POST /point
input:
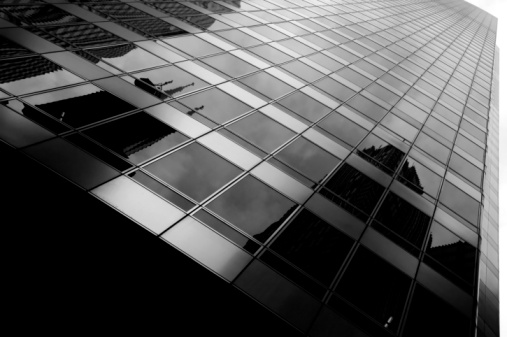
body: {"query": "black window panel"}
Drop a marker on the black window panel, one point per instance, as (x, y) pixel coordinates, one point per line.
(404, 219)
(429, 315)
(380, 153)
(375, 287)
(314, 246)
(155, 27)
(419, 178)
(253, 207)
(11, 49)
(84, 35)
(40, 15)
(137, 137)
(355, 188)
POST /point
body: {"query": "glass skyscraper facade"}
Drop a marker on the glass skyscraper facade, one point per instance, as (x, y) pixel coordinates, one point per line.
(256, 167)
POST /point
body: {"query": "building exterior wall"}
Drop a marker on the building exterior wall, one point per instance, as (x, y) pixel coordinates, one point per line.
(335, 161)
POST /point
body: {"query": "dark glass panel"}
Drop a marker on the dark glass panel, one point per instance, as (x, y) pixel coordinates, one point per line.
(241, 19)
(375, 287)
(253, 207)
(229, 65)
(194, 170)
(343, 128)
(367, 107)
(380, 153)
(205, 22)
(419, 178)
(84, 35)
(30, 74)
(39, 15)
(11, 49)
(168, 82)
(119, 11)
(403, 219)
(429, 315)
(267, 85)
(262, 131)
(314, 246)
(161, 190)
(450, 251)
(304, 106)
(36, 116)
(78, 106)
(130, 58)
(155, 27)
(215, 105)
(137, 137)
(227, 231)
(98, 152)
(460, 202)
(355, 188)
(308, 158)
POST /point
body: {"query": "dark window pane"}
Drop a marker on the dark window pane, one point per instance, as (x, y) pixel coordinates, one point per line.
(24, 75)
(460, 202)
(380, 153)
(78, 106)
(343, 128)
(11, 49)
(262, 131)
(403, 219)
(168, 81)
(308, 158)
(126, 57)
(85, 35)
(431, 316)
(137, 137)
(156, 27)
(215, 105)
(451, 251)
(194, 170)
(375, 287)
(314, 246)
(355, 188)
(161, 190)
(305, 106)
(253, 207)
(419, 178)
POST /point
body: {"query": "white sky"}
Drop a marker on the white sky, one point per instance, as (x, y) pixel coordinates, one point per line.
(499, 9)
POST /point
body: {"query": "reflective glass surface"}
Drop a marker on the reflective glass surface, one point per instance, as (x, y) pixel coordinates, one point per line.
(194, 170)
(253, 207)
(343, 128)
(267, 85)
(229, 65)
(304, 106)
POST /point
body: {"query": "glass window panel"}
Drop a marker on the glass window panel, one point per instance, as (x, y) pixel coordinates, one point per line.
(238, 37)
(304, 106)
(400, 127)
(367, 107)
(380, 153)
(81, 105)
(460, 202)
(271, 54)
(432, 147)
(308, 158)
(154, 27)
(230, 65)
(303, 71)
(127, 57)
(241, 19)
(403, 219)
(292, 28)
(215, 105)
(24, 75)
(37, 116)
(466, 169)
(167, 82)
(419, 178)
(194, 170)
(473, 130)
(262, 131)
(470, 147)
(267, 85)
(343, 128)
(298, 47)
(375, 287)
(161, 190)
(354, 77)
(193, 45)
(137, 137)
(450, 251)
(314, 246)
(11, 49)
(253, 207)
(429, 315)
(335, 89)
(268, 32)
(326, 61)
(84, 35)
(355, 188)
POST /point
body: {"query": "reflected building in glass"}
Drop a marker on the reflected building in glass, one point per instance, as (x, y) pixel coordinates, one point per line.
(251, 168)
